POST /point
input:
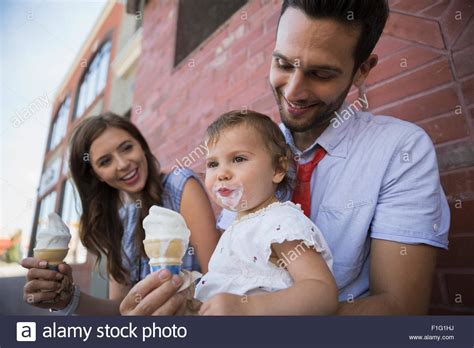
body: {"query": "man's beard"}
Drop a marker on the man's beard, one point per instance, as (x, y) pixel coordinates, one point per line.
(319, 117)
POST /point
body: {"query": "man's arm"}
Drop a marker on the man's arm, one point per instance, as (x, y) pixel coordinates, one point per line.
(400, 280)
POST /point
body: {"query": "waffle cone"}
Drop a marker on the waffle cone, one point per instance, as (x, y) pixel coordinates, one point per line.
(165, 252)
(53, 256)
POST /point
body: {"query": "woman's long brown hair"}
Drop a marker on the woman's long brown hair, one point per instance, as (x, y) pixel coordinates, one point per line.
(101, 229)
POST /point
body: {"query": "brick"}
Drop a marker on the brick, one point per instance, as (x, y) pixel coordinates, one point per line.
(238, 61)
(270, 24)
(450, 22)
(255, 90)
(456, 156)
(243, 43)
(463, 61)
(461, 289)
(468, 90)
(233, 88)
(267, 2)
(256, 19)
(202, 59)
(461, 217)
(459, 185)
(459, 253)
(388, 45)
(253, 63)
(436, 294)
(216, 38)
(411, 6)
(401, 62)
(237, 19)
(251, 7)
(417, 81)
(353, 95)
(265, 104)
(268, 39)
(437, 10)
(466, 39)
(424, 31)
(446, 128)
(424, 106)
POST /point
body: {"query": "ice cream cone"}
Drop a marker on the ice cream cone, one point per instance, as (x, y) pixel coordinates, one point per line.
(165, 254)
(166, 239)
(52, 242)
(53, 256)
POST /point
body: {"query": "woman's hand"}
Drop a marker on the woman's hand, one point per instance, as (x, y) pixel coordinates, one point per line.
(46, 288)
(225, 304)
(155, 295)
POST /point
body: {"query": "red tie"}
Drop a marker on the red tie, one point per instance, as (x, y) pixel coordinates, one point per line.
(302, 194)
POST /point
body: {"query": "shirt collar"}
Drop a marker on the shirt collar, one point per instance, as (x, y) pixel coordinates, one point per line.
(332, 138)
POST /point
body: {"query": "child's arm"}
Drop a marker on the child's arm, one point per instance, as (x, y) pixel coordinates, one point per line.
(314, 291)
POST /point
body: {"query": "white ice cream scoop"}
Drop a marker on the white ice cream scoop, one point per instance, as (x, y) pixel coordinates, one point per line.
(166, 239)
(52, 241)
(162, 223)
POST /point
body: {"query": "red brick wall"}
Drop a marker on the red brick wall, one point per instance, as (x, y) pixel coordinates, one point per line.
(173, 106)
(424, 76)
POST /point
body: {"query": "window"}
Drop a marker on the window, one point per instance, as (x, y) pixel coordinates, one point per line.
(51, 174)
(60, 124)
(197, 20)
(71, 211)
(94, 79)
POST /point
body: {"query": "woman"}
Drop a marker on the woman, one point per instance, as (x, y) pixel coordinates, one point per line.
(118, 180)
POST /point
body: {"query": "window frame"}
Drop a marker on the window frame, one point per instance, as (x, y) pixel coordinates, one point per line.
(93, 70)
(63, 117)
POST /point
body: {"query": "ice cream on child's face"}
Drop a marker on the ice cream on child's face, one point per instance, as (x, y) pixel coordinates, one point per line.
(55, 235)
(166, 236)
(239, 170)
(229, 195)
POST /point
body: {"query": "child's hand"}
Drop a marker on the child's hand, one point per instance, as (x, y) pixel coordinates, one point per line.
(225, 304)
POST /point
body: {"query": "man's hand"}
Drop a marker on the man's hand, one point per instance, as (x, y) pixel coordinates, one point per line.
(224, 304)
(155, 295)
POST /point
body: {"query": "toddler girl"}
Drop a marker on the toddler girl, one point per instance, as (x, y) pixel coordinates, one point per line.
(272, 260)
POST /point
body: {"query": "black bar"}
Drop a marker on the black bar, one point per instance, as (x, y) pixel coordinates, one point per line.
(453, 331)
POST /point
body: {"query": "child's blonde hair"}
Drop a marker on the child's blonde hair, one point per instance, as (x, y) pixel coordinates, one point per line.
(271, 136)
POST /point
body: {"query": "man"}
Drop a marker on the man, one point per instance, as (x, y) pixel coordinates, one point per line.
(375, 193)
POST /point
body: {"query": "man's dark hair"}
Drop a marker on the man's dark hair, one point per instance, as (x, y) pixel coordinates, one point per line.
(369, 15)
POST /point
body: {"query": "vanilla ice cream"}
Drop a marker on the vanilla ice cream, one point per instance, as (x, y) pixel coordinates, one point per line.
(166, 239)
(52, 242)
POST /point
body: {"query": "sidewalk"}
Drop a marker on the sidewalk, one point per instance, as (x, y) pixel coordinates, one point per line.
(12, 281)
